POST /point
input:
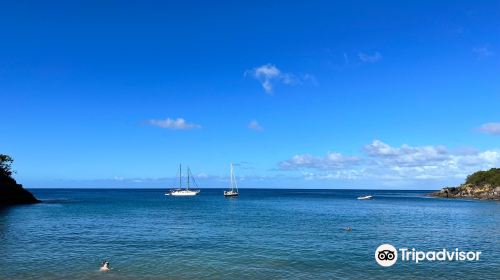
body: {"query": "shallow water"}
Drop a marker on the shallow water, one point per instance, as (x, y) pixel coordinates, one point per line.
(263, 234)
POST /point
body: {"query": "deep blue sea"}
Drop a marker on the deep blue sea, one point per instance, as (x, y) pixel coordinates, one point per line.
(263, 234)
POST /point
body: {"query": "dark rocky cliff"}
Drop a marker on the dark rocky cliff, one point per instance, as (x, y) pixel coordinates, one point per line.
(10, 191)
(13, 193)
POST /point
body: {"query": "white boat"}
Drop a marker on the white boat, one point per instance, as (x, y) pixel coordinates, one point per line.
(184, 192)
(180, 192)
(366, 197)
(233, 192)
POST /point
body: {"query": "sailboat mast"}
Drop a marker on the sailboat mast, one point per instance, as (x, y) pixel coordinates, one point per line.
(189, 171)
(180, 176)
(232, 183)
(234, 178)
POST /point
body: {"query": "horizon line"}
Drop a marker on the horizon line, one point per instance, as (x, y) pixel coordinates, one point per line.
(149, 188)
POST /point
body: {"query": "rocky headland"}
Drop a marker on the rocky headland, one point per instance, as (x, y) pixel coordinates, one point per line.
(12, 193)
(480, 185)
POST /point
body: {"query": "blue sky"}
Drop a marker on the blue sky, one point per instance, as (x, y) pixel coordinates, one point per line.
(302, 94)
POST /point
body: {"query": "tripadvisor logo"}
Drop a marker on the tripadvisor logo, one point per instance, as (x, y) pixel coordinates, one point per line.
(387, 255)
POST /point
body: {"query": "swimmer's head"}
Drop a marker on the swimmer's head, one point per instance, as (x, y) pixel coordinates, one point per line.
(105, 266)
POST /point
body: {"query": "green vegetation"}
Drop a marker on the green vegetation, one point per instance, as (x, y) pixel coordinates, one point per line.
(10, 191)
(481, 178)
(5, 165)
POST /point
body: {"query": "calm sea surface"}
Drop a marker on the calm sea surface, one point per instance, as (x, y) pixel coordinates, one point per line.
(263, 234)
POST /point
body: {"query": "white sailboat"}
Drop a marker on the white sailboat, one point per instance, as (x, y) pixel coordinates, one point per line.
(366, 197)
(184, 192)
(233, 192)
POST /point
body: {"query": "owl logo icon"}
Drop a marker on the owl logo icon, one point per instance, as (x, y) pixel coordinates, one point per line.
(386, 255)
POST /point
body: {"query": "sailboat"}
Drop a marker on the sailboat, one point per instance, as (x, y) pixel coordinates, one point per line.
(233, 192)
(184, 192)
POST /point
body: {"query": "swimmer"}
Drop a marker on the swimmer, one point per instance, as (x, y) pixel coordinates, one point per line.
(104, 266)
(348, 229)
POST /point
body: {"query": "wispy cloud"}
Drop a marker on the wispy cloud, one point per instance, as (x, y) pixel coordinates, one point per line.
(268, 75)
(483, 51)
(174, 124)
(244, 165)
(203, 175)
(203, 180)
(346, 59)
(427, 162)
(405, 155)
(369, 58)
(490, 128)
(383, 162)
(330, 161)
(254, 125)
(310, 78)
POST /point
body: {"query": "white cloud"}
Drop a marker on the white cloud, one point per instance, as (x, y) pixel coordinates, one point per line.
(405, 155)
(202, 175)
(330, 161)
(346, 59)
(175, 124)
(310, 78)
(244, 165)
(254, 125)
(346, 174)
(490, 128)
(382, 162)
(370, 58)
(428, 162)
(483, 51)
(268, 75)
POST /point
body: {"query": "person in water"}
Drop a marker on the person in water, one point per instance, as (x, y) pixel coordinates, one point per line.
(104, 266)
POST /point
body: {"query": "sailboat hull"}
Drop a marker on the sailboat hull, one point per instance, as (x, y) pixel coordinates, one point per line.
(183, 193)
(230, 194)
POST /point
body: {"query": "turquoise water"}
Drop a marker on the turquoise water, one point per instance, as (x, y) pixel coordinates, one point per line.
(263, 234)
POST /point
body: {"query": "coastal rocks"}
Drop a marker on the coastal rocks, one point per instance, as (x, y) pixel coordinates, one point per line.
(479, 185)
(469, 191)
(12, 193)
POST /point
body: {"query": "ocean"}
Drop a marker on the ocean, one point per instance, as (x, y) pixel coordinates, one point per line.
(263, 234)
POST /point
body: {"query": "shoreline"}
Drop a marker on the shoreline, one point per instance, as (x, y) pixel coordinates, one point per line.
(468, 191)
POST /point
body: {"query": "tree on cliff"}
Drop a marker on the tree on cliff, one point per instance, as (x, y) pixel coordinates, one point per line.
(5, 165)
(481, 178)
(10, 191)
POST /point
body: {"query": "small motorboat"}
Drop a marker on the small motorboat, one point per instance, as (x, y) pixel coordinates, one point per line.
(366, 197)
